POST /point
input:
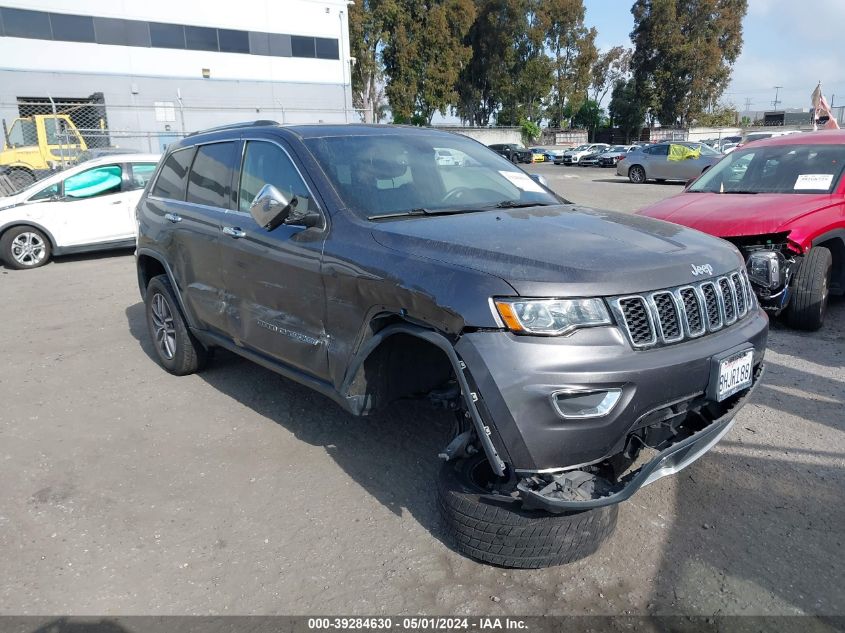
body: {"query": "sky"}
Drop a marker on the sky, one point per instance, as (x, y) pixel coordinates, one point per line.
(789, 43)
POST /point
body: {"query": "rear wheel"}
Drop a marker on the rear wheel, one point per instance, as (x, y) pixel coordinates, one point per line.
(24, 247)
(494, 528)
(636, 174)
(807, 309)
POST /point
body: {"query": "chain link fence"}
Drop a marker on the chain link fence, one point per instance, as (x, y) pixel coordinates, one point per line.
(45, 135)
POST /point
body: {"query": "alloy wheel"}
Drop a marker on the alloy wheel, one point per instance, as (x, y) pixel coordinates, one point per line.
(164, 330)
(28, 249)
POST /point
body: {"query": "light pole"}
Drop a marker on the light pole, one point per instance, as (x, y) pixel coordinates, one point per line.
(776, 101)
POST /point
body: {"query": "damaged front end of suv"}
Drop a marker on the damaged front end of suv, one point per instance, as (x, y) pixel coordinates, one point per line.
(772, 262)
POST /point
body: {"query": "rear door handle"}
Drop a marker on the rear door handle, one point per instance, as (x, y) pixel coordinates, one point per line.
(173, 217)
(233, 231)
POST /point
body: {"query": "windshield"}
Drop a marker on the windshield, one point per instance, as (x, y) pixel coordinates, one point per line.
(776, 169)
(22, 133)
(581, 148)
(391, 173)
(618, 148)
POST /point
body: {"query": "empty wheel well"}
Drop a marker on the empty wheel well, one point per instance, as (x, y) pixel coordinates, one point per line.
(148, 267)
(836, 246)
(402, 366)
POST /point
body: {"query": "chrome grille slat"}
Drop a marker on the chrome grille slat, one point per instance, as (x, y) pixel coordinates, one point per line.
(739, 293)
(672, 315)
(728, 300)
(668, 318)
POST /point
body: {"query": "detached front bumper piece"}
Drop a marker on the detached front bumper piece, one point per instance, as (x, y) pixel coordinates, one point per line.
(552, 497)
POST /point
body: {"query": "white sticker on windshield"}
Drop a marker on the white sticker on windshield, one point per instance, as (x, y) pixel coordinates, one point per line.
(813, 181)
(523, 181)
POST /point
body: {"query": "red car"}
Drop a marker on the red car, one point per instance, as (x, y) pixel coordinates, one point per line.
(781, 202)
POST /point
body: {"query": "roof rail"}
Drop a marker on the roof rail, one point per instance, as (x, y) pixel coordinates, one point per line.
(235, 126)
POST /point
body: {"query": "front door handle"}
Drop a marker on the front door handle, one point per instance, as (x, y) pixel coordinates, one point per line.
(233, 231)
(173, 217)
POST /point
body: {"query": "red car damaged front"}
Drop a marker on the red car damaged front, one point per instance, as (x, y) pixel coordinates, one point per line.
(782, 203)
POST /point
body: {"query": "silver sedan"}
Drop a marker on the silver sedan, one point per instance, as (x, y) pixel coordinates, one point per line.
(659, 162)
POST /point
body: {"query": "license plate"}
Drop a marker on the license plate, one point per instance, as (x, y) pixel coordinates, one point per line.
(734, 374)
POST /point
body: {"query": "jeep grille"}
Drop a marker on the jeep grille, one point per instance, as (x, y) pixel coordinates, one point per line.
(672, 315)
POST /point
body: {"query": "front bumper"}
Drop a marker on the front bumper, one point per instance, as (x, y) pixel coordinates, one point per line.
(668, 462)
(516, 375)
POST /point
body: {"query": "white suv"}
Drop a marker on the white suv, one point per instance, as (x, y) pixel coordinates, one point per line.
(88, 207)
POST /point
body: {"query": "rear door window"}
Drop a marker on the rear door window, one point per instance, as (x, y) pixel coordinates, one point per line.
(174, 175)
(210, 182)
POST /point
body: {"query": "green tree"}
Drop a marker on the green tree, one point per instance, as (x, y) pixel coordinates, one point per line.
(609, 67)
(573, 49)
(627, 109)
(424, 56)
(720, 116)
(509, 73)
(368, 31)
(684, 51)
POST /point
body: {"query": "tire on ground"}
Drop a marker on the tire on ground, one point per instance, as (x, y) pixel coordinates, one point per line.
(7, 244)
(496, 529)
(189, 355)
(636, 174)
(811, 288)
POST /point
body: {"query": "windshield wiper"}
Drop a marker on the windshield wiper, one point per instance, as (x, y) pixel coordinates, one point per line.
(420, 211)
(516, 204)
(745, 191)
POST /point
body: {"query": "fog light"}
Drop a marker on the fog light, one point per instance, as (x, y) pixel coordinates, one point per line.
(579, 404)
(764, 268)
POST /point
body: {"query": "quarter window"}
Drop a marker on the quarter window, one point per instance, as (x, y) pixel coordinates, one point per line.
(267, 164)
(46, 193)
(174, 175)
(210, 182)
(140, 174)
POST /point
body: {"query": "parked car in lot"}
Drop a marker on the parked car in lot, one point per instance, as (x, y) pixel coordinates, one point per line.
(345, 257)
(613, 155)
(574, 156)
(88, 207)
(514, 152)
(782, 203)
(671, 160)
(538, 155)
(751, 137)
(553, 154)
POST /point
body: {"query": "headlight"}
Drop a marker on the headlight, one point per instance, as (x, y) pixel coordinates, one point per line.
(551, 317)
(765, 267)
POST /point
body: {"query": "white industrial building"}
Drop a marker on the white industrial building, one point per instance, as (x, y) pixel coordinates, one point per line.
(147, 72)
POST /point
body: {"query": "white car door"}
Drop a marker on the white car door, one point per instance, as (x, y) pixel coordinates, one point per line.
(94, 207)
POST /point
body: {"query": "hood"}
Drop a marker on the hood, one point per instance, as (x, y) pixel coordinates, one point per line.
(563, 250)
(735, 215)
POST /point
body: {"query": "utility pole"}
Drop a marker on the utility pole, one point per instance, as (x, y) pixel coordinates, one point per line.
(776, 101)
(748, 106)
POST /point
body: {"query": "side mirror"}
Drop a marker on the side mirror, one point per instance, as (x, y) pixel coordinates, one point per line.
(270, 208)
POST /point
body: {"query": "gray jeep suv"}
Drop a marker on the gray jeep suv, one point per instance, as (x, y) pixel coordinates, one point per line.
(583, 353)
